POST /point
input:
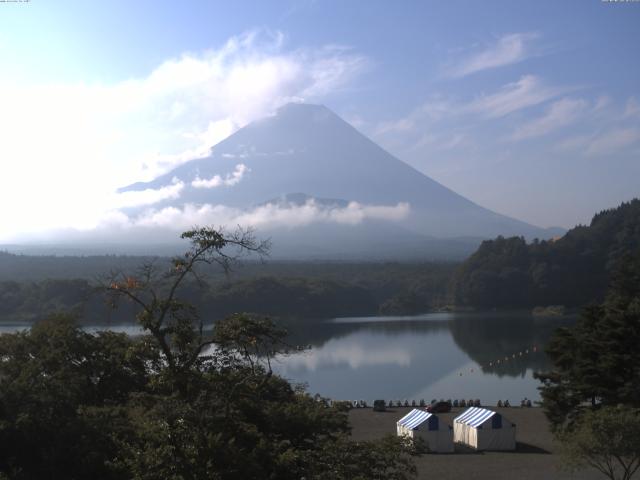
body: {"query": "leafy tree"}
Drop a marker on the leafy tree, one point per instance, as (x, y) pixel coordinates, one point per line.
(608, 440)
(173, 322)
(48, 376)
(177, 403)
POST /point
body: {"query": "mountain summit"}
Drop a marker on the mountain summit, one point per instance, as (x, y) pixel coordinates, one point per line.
(307, 173)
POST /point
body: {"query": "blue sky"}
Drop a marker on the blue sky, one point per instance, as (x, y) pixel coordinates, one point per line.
(531, 109)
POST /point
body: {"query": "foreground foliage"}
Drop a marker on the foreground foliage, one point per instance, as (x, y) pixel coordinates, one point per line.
(608, 440)
(176, 403)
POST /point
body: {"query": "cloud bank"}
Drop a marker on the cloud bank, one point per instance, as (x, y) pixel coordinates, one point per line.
(148, 196)
(77, 143)
(265, 217)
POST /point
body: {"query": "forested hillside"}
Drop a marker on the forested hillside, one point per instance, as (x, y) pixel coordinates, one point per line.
(573, 270)
(301, 290)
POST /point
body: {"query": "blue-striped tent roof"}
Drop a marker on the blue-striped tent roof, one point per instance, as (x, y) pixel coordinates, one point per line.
(414, 418)
(474, 416)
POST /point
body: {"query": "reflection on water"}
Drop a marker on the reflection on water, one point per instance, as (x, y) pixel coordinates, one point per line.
(13, 327)
(423, 357)
(369, 350)
(129, 329)
(442, 355)
(132, 330)
(429, 317)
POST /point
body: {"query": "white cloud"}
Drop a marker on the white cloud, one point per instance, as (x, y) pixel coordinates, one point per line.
(610, 129)
(632, 108)
(84, 141)
(448, 136)
(447, 141)
(328, 68)
(559, 114)
(613, 141)
(608, 142)
(434, 110)
(270, 215)
(526, 92)
(213, 182)
(229, 180)
(400, 125)
(602, 103)
(148, 196)
(507, 50)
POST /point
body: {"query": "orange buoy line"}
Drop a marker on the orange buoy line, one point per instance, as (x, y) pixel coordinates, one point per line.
(500, 361)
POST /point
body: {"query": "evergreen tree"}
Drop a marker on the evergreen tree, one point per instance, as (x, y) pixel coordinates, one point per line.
(573, 270)
(597, 362)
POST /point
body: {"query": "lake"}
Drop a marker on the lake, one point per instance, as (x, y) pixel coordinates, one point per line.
(432, 356)
(438, 355)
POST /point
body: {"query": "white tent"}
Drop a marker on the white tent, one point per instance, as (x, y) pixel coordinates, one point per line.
(437, 435)
(484, 429)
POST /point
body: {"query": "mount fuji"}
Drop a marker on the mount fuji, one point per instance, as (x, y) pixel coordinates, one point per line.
(320, 188)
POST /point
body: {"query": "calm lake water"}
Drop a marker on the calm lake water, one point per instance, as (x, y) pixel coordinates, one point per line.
(489, 357)
(441, 355)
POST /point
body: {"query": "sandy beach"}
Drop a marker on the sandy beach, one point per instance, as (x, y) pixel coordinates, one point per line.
(536, 456)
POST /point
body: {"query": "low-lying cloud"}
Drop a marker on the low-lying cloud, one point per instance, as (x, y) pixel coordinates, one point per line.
(229, 180)
(268, 216)
(148, 196)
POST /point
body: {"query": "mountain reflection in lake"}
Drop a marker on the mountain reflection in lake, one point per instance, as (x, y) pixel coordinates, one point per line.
(423, 357)
(440, 355)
